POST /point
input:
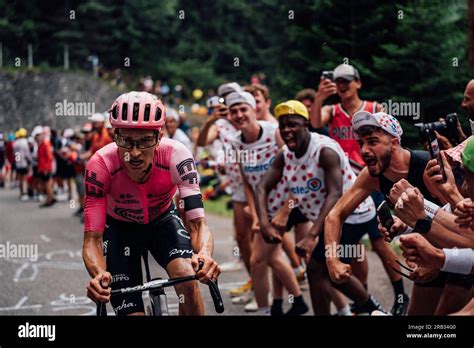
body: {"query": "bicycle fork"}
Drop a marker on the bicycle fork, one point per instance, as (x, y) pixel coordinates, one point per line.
(159, 302)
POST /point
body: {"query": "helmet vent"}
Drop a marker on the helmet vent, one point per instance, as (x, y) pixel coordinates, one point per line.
(146, 116)
(124, 111)
(115, 112)
(158, 114)
(136, 108)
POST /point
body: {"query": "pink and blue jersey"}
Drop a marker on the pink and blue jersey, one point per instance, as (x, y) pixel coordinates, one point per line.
(110, 191)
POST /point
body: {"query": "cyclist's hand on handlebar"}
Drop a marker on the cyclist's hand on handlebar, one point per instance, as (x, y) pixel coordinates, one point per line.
(98, 288)
(205, 266)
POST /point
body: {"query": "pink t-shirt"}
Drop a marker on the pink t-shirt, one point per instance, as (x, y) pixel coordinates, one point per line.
(110, 191)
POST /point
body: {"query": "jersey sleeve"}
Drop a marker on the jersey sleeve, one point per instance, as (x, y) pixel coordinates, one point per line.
(97, 184)
(185, 176)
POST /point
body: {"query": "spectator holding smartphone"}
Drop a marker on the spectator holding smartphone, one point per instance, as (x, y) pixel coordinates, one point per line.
(346, 85)
(443, 229)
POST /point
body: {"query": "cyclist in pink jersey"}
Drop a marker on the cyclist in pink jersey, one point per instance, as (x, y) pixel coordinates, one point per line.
(129, 209)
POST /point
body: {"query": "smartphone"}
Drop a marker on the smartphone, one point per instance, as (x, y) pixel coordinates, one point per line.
(328, 75)
(435, 152)
(213, 102)
(385, 216)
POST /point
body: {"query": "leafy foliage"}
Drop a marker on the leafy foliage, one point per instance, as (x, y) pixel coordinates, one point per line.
(406, 51)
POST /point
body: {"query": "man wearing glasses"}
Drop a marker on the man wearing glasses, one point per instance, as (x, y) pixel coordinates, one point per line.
(129, 208)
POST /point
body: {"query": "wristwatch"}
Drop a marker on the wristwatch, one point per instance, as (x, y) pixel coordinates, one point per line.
(423, 225)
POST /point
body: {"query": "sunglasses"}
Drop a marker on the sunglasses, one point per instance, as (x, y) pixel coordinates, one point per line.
(404, 267)
(142, 143)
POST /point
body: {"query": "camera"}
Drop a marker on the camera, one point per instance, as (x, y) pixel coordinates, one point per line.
(447, 128)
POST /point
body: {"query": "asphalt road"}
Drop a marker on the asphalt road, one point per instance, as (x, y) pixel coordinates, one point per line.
(55, 283)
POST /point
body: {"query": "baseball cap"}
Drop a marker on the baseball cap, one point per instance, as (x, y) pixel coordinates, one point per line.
(78, 135)
(21, 133)
(227, 88)
(346, 72)
(467, 155)
(291, 107)
(107, 124)
(98, 117)
(172, 113)
(37, 131)
(379, 119)
(87, 127)
(240, 97)
(68, 133)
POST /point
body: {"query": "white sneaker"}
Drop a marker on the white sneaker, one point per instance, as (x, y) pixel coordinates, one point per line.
(251, 306)
(41, 198)
(231, 266)
(379, 313)
(243, 299)
(61, 197)
(24, 198)
(265, 311)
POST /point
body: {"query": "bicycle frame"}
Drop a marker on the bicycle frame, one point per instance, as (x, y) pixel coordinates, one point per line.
(158, 299)
(158, 285)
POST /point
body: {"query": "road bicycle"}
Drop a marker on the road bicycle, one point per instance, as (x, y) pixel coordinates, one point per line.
(158, 300)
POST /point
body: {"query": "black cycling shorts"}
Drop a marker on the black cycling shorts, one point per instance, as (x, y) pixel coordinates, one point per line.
(296, 217)
(165, 238)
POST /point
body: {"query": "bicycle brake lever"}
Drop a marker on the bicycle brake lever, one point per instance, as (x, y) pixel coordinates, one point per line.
(216, 296)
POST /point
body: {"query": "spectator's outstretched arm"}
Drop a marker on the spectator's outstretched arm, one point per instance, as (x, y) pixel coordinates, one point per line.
(209, 131)
(418, 250)
(446, 192)
(410, 208)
